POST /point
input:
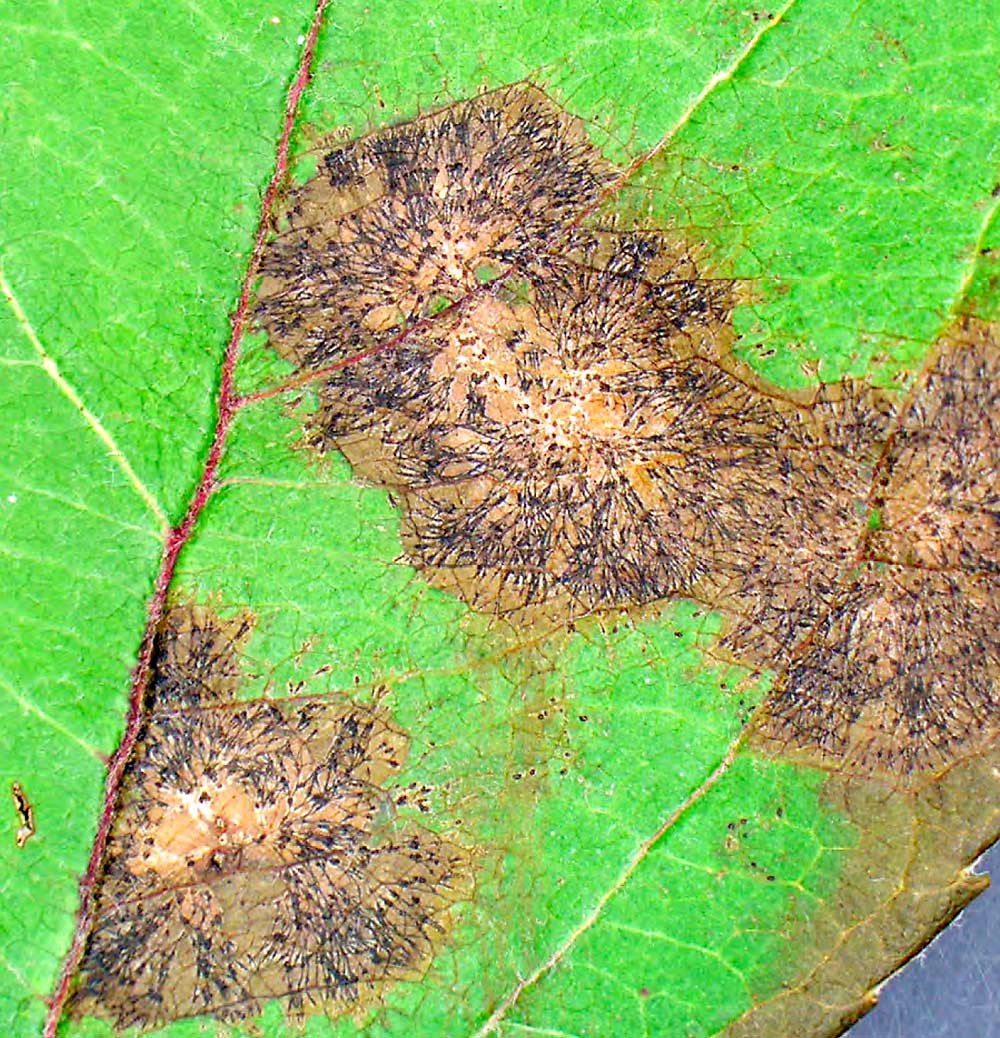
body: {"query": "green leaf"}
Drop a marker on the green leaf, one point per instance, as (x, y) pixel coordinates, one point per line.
(639, 870)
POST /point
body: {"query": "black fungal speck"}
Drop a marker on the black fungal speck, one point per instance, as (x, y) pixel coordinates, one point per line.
(248, 859)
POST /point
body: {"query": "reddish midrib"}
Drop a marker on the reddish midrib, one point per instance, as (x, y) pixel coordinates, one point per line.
(227, 404)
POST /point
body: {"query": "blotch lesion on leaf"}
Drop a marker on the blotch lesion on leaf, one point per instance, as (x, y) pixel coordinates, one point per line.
(408, 217)
(939, 496)
(551, 432)
(552, 457)
(899, 671)
(806, 543)
(552, 399)
(255, 854)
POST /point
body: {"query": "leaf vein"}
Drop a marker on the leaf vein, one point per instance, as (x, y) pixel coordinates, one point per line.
(635, 860)
(29, 706)
(972, 267)
(52, 370)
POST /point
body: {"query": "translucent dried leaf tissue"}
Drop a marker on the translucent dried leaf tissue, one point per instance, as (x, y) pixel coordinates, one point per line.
(573, 431)
(254, 854)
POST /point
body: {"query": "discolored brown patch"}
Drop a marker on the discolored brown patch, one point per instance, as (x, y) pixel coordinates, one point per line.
(254, 855)
(900, 672)
(900, 675)
(556, 408)
(576, 432)
(783, 580)
(574, 441)
(939, 503)
(401, 222)
(25, 815)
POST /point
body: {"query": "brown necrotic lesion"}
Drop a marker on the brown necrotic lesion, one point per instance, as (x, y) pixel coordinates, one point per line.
(553, 454)
(400, 222)
(554, 403)
(899, 670)
(900, 674)
(254, 855)
(939, 495)
(550, 434)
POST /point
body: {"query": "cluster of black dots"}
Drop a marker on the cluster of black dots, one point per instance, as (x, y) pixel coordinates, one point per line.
(253, 856)
(899, 671)
(554, 403)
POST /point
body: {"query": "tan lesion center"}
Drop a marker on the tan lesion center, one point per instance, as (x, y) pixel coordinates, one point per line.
(501, 353)
(445, 261)
(205, 828)
(217, 828)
